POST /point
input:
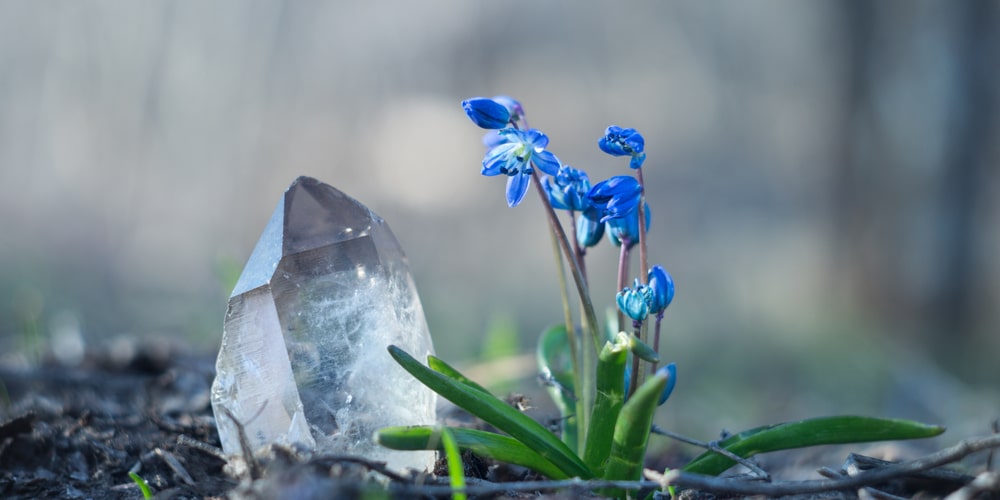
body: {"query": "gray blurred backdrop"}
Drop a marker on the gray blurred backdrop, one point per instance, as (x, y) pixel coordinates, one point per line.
(823, 176)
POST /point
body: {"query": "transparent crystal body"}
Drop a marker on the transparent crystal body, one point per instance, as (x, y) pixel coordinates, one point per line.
(303, 356)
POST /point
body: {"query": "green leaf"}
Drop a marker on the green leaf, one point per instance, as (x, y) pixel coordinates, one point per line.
(553, 357)
(147, 492)
(456, 472)
(632, 431)
(485, 444)
(437, 364)
(810, 432)
(642, 350)
(608, 403)
(497, 413)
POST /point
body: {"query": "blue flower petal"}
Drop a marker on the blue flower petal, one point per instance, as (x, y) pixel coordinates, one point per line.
(619, 141)
(632, 303)
(637, 160)
(589, 229)
(616, 187)
(497, 160)
(494, 138)
(517, 187)
(486, 113)
(546, 162)
(536, 138)
(627, 228)
(662, 286)
(556, 195)
(671, 373)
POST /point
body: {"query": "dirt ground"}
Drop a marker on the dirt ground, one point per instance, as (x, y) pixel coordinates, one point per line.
(77, 432)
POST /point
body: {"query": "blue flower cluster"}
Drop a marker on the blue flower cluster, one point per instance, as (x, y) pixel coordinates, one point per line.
(615, 206)
(516, 151)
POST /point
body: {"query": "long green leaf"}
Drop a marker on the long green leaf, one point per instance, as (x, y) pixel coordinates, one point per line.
(437, 364)
(553, 357)
(632, 431)
(485, 444)
(497, 413)
(456, 472)
(810, 432)
(608, 403)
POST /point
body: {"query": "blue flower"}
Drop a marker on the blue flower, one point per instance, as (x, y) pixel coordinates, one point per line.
(514, 158)
(662, 286)
(568, 189)
(669, 371)
(619, 141)
(589, 229)
(627, 228)
(486, 113)
(617, 196)
(634, 302)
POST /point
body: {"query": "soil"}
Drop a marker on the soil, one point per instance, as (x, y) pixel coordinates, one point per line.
(77, 432)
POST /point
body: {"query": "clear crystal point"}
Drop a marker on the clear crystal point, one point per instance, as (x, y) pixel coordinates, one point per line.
(303, 356)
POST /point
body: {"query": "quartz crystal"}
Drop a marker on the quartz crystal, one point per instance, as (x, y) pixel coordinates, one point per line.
(303, 357)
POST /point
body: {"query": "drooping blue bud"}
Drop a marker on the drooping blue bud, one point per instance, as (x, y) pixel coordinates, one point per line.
(589, 229)
(627, 228)
(619, 141)
(486, 113)
(633, 301)
(670, 371)
(662, 286)
(617, 196)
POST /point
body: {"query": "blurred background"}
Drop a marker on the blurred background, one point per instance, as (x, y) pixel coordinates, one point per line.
(822, 175)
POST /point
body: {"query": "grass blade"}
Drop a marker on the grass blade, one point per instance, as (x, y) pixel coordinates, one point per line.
(497, 413)
(810, 432)
(456, 472)
(485, 444)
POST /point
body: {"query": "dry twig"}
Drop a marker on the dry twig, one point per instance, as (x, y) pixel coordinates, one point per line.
(729, 485)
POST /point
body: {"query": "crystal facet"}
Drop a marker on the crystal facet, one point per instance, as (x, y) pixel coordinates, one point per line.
(303, 356)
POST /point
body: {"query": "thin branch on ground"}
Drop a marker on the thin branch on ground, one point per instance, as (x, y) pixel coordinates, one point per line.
(730, 485)
(714, 446)
(373, 465)
(988, 481)
(191, 442)
(875, 476)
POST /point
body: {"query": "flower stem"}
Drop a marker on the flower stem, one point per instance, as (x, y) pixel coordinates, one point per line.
(589, 343)
(571, 339)
(580, 252)
(643, 259)
(567, 313)
(656, 339)
(634, 377)
(622, 273)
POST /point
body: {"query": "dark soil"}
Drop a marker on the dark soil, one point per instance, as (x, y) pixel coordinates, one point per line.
(77, 432)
